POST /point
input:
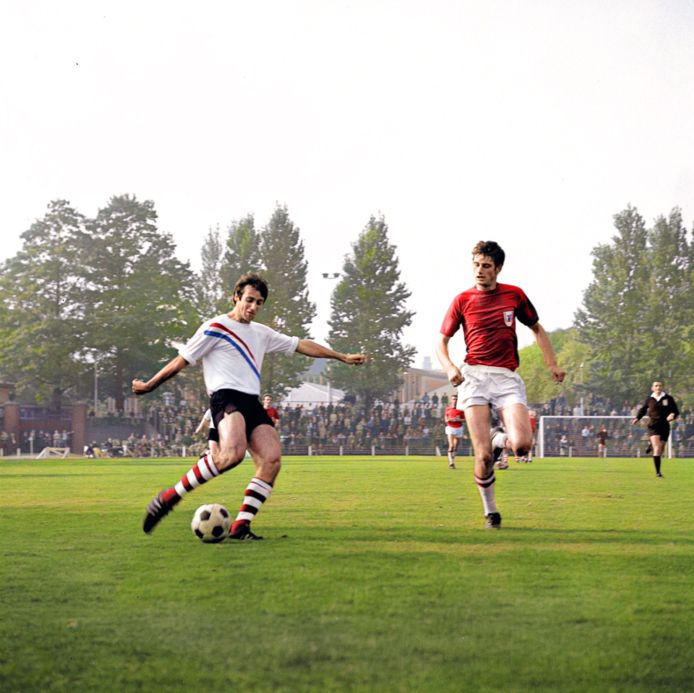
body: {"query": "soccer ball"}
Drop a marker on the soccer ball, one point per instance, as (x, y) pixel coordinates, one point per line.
(211, 523)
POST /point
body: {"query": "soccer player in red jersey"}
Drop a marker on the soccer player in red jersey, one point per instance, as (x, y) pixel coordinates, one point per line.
(270, 410)
(454, 418)
(487, 313)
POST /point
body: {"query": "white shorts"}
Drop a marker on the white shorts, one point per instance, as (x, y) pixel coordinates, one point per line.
(457, 432)
(499, 387)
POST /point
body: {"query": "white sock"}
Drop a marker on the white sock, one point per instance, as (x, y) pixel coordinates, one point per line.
(486, 487)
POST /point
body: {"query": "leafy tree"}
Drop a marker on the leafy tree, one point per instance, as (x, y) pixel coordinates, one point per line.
(41, 293)
(612, 321)
(209, 287)
(139, 296)
(288, 308)
(242, 255)
(572, 355)
(670, 305)
(369, 315)
(638, 311)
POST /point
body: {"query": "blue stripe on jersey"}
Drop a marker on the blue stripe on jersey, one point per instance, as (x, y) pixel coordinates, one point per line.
(226, 338)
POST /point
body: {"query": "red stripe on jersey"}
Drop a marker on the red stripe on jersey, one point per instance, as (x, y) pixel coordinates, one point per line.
(219, 326)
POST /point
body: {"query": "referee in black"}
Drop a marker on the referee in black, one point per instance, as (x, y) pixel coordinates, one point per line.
(661, 409)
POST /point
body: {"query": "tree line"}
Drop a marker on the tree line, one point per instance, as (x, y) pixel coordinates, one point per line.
(108, 295)
(636, 321)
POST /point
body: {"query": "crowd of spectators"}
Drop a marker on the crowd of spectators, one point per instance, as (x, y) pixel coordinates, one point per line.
(381, 428)
(389, 427)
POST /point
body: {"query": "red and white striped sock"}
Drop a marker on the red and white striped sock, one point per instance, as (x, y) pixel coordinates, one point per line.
(200, 473)
(486, 487)
(257, 492)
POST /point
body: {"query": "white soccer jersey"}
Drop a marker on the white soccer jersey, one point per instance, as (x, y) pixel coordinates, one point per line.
(232, 352)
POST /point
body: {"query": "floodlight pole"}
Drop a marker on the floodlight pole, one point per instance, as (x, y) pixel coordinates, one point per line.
(330, 275)
(96, 385)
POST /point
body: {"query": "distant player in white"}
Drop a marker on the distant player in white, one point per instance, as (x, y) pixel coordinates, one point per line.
(232, 348)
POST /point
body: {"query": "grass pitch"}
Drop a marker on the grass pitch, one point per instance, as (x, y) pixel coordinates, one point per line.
(375, 575)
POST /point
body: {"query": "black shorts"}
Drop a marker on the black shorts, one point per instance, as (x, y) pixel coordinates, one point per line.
(661, 429)
(227, 401)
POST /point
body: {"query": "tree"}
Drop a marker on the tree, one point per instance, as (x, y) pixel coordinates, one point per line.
(638, 311)
(288, 309)
(209, 287)
(242, 255)
(670, 304)
(612, 321)
(41, 291)
(139, 295)
(572, 355)
(368, 314)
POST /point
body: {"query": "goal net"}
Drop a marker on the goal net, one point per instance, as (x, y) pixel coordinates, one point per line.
(577, 436)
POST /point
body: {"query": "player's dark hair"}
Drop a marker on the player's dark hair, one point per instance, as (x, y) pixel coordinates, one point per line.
(491, 249)
(250, 279)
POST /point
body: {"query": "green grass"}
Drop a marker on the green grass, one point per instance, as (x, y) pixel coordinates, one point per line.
(375, 576)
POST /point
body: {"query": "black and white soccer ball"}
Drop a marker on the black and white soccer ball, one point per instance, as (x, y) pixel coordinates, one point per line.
(211, 523)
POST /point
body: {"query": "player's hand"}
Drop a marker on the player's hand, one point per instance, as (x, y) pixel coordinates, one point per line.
(558, 374)
(139, 387)
(455, 377)
(356, 359)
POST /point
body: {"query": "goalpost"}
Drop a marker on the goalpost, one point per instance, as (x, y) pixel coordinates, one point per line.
(575, 436)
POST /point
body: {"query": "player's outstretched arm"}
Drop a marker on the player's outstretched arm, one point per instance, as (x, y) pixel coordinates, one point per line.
(558, 374)
(310, 348)
(177, 364)
(455, 377)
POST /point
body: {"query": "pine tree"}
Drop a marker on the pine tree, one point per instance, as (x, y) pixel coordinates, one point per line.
(209, 287)
(242, 254)
(288, 309)
(368, 315)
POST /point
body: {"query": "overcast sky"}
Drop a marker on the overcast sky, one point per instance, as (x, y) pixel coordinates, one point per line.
(530, 123)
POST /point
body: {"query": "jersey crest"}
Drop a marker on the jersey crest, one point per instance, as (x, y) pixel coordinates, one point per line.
(508, 318)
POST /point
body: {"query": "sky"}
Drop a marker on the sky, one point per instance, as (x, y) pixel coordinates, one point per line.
(531, 123)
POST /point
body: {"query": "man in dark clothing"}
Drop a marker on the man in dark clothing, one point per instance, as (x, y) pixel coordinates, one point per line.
(661, 409)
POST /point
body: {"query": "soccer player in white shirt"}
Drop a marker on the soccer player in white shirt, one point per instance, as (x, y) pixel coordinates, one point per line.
(232, 348)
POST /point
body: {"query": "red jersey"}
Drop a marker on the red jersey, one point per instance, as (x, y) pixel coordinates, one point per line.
(533, 423)
(453, 413)
(488, 319)
(272, 413)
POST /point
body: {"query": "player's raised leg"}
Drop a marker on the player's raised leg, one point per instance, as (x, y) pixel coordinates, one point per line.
(478, 422)
(216, 460)
(266, 451)
(518, 429)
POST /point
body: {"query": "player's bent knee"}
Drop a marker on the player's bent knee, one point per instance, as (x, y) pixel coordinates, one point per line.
(228, 459)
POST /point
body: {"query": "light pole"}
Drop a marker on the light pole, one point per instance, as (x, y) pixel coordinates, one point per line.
(96, 384)
(330, 275)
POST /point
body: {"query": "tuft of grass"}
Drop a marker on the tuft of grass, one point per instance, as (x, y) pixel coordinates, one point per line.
(375, 575)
